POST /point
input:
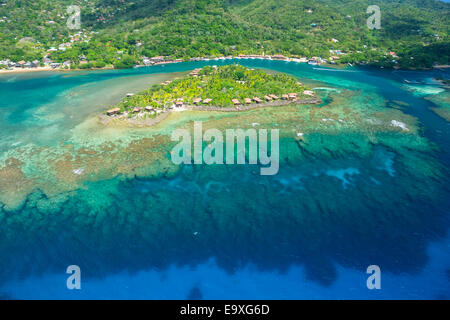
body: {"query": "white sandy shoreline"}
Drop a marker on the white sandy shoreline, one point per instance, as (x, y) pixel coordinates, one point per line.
(42, 69)
(26, 70)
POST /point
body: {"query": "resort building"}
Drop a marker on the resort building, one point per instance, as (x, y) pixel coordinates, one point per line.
(292, 96)
(113, 111)
(157, 59)
(279, 57)
(194, 73)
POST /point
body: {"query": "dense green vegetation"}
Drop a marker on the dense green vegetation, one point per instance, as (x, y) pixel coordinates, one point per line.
(118, 33)
(222, 85)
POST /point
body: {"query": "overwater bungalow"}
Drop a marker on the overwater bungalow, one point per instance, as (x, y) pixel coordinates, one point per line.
(248, 101)
(236, 102)
(113, 111)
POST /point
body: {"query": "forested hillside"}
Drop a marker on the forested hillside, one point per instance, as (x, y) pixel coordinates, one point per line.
(120, 33)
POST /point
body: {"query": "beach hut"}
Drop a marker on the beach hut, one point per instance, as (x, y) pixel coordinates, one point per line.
(236, 102)
(197, 101)
(149, 108)
(248, 101)
(257, 100)
(268, 98)
(308, 92)
(136, 110)
(285, 97)
(292, 96)
(179, 104)
(113, 111)
(300, 84)
(207, 101)
(274, 97)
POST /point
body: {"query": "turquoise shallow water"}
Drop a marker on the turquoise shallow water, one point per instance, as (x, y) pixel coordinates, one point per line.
(225, 231)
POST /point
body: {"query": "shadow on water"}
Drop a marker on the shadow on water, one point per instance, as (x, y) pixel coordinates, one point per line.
(206, 212)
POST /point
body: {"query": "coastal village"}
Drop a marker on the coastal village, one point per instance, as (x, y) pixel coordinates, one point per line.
(47, 62)
(84, 36)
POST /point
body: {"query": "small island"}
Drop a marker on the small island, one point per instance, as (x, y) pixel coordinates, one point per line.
(226, 88)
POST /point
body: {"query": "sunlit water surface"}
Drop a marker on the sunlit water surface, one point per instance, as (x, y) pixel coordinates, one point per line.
(356, 192)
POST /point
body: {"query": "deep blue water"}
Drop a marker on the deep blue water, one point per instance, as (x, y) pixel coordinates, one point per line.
(223, 233)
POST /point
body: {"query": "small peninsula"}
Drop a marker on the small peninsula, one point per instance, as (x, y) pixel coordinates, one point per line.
(227, 88)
